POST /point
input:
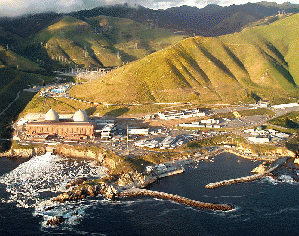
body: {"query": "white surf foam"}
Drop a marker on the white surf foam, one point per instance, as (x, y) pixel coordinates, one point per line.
(35, 180)
(281, 179)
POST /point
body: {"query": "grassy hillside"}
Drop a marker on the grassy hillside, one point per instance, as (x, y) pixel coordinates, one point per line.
(267, 20)
(12, 81)
(98, 41)
(259, 62)
(13, 60)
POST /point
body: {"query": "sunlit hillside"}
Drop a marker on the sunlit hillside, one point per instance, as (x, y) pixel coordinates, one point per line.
(100, 41)
(259, 62)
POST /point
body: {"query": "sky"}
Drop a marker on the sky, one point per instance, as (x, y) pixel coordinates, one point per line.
(21, 7)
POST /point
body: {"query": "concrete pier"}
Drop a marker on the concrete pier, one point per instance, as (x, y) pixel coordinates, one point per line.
(279, 162)
(170, 173)
(144, 192)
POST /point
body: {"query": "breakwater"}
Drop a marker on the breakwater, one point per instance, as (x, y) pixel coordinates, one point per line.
(170, 173)
(279, 162)
(189, 202)
(251, 157)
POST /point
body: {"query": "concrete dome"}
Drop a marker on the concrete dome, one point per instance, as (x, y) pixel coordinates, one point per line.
(51, 115)
(80, 116)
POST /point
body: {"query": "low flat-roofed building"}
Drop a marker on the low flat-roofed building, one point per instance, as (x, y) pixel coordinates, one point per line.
(259, 140)
(140, 131)
(183, 114)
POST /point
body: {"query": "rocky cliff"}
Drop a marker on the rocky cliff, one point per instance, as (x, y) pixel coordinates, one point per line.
(134, 179)
(259, 169)
(24, 152)
(115, 164)
(87, 189)
(81, 188)
(79, 152)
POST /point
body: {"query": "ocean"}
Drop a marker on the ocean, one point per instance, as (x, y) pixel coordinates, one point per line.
(263, 207)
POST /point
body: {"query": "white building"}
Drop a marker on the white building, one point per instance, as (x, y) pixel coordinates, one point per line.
(192, 125)
(167, 142)
(183, 114)
(105, 128)
(210, 121)
(282, 135)
(258, 140)
(283, 106)
(138, 131)
(263, 103)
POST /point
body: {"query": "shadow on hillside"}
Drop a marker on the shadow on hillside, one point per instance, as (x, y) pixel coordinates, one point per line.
(255, 96)
(91, 110)
(38, 52)
(217, 62)
(10, 116)
(117, 112)
(125, 57)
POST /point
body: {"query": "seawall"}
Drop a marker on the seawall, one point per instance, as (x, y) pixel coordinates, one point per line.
(170, 173)
(189, 202)
(276, 164)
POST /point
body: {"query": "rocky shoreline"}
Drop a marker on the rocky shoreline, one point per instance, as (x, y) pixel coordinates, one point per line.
(112, 186)
(24, 152)
(85, 190)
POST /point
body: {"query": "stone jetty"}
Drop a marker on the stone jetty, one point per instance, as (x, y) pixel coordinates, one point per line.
(279, 162)
(144, 192)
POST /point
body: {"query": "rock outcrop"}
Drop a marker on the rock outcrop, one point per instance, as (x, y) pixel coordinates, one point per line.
(82, 191)
(84, 153)
(56, 220)
(134, 179)
(80, 188)
(76, 182)
(115, 164)
(24, 153)
(259, 169)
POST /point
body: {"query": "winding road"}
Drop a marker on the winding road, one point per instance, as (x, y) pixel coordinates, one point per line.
(9, 105)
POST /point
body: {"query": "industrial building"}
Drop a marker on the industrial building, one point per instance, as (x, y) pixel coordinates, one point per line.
(138, 131)
(183, 114)
(77, 128)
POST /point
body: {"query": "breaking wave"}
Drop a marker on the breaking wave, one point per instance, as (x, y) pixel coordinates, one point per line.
(281, 179)
(35, 182)
(42, 177)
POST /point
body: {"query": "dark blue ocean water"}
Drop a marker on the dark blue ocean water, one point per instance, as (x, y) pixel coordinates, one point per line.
(263, 207)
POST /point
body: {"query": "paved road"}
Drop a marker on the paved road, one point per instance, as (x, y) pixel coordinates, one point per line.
(9, 105)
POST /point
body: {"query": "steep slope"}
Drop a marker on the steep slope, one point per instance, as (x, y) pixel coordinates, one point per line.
(12, 81)
(205, 21)
(110, 36)
(8, 38)
(267, 20)
(99, 41)
(28, 25)
(12, 59)
(257, 62)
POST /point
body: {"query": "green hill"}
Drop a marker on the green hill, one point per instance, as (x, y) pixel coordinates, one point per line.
(12, 81)
(14, 60)
(99, 41)
(259, 62)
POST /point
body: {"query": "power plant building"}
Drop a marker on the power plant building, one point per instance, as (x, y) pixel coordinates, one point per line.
(77, 128)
